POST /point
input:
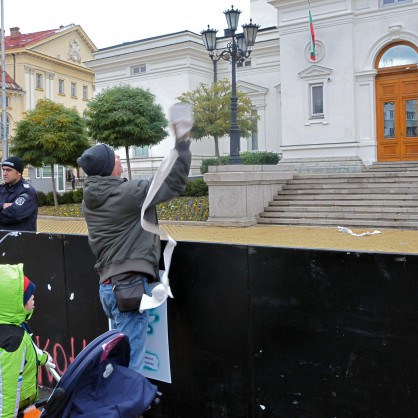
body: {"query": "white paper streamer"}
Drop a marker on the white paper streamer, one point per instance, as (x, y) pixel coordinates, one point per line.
(349, 231)
(162, 290)
(181, 116)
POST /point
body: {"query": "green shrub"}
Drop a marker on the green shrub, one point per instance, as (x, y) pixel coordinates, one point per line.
(69, 197)
(247, 157)
(262, 158)
(66, 197)
(41, 198)
(196, 187)
(49, 199)
(78, 195)
(206, 162)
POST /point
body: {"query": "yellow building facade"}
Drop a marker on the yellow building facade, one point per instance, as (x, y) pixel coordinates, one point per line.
(47, 65)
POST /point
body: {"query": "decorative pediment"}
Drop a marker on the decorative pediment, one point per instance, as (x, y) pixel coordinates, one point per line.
(256, 93)
(315, 71)
(251, 89)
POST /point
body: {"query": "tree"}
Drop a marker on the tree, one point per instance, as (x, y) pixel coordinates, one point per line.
(125, 116)
(50, 134)
(212, 111)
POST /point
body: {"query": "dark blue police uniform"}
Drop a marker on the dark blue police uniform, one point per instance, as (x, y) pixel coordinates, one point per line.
(22, 215)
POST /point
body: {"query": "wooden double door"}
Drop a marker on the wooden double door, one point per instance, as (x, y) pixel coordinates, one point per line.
(396, 116)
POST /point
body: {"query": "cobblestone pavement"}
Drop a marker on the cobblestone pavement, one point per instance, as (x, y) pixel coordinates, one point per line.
(389, 240)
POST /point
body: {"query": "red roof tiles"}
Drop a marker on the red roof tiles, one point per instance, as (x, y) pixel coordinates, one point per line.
(18, 40)
(10, 82)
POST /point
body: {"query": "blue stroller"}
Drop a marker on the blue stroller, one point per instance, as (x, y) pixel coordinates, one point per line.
(99, 383)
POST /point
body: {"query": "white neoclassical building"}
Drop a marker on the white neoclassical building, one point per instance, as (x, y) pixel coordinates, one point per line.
(357, 101)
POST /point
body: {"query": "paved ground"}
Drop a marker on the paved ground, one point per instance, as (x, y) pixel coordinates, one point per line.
(389, 240)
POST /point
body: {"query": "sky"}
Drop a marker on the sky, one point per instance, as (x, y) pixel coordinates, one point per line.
(109, 23)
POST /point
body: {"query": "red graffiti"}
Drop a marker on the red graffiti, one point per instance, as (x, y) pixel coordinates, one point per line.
(62, 354)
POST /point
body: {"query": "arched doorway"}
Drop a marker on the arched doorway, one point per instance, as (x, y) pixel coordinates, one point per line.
(397, 102)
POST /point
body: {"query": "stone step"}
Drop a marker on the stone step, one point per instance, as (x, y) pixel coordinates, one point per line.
(359, 175)
(357, 202)
(348, 188)
(341, 215)
(393, 166)
(336, 209)
(391, 169)
(382, 195)
(349, 195)
(365, 182)
(338, 222)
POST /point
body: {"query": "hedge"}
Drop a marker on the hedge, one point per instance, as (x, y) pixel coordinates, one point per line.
(247, 157)
(47, 199)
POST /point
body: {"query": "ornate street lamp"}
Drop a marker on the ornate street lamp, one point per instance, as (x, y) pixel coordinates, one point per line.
(236, 51)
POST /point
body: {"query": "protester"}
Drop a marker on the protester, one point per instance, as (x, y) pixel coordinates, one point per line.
(18, 199)
(19, 356)
(123, 249)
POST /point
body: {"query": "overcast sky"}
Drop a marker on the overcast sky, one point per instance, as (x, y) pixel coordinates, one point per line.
(109, 22)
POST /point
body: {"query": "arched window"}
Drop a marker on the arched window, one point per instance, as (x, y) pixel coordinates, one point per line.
(397, 55)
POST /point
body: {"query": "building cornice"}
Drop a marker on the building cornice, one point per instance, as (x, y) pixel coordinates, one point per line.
(47, 58)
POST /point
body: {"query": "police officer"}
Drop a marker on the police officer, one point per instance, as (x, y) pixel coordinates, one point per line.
(18, 199)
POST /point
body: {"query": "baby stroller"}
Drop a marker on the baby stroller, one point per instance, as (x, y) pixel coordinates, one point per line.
(99, 383)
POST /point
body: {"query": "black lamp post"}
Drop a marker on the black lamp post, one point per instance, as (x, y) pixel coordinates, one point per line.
(236, 51)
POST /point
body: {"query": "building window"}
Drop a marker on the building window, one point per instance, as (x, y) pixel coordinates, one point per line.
(141, 152)
(73, 89)
(400, 54)
(39, 81)
(389, 2)
(43, 172)
(60, 86)
(138, 69)
(85, 93)
(316, 101)
(246, 63)
(411, 117)
(389, 119)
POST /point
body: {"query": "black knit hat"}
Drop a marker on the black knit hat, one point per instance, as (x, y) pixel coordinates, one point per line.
(14, 162)
(97, 161)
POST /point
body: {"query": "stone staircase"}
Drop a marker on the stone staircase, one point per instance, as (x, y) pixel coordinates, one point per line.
(384, 195)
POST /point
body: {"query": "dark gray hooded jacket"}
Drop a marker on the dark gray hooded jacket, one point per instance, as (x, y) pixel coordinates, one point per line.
(112, 209)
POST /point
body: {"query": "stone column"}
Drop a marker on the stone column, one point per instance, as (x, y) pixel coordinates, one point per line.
(49, 85)
(29, 87)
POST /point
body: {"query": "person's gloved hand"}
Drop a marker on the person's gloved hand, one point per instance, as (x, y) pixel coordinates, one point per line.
(50, 361)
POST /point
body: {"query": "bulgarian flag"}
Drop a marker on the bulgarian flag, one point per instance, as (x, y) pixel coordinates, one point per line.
(313, 50)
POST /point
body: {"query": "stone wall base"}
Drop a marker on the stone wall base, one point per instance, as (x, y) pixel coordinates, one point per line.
(238, 193)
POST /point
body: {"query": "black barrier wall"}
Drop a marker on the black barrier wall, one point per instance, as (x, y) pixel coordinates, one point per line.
(253, 331)
(68, 313)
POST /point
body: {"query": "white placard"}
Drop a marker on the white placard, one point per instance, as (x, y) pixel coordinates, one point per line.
(157, 355)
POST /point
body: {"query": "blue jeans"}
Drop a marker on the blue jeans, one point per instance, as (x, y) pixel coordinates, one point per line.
(134, 324)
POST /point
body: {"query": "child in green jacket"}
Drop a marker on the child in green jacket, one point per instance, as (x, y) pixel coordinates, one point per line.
(19, 356)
